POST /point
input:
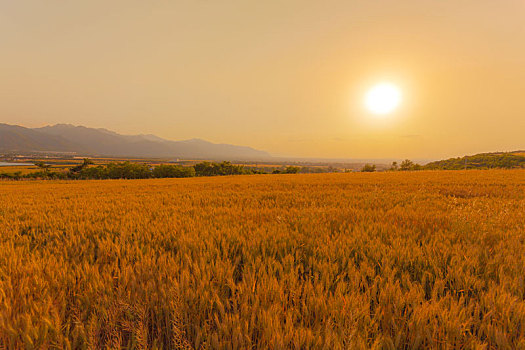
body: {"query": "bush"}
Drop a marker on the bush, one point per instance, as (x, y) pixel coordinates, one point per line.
(292, 170)
(218, 169)
(368, 168)
(128, 170)
(163, 170)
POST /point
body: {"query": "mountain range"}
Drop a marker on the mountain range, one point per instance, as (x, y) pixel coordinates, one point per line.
(65, 138)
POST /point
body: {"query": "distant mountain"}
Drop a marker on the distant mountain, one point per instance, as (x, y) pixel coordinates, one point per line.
(13, 137)
(102, 142)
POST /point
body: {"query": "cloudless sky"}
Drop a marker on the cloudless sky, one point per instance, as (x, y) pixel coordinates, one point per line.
(288, 77)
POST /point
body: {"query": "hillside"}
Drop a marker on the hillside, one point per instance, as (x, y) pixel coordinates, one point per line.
(504, 160)
(102, 142)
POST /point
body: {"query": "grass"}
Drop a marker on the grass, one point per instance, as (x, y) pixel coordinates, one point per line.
(379, 260)
(24, 169)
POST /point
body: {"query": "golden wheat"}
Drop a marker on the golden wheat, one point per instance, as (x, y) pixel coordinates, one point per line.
(382, 260)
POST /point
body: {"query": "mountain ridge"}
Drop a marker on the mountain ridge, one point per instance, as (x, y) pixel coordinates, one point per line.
(103, 142)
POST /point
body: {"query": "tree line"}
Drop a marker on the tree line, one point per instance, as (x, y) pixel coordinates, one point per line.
(129, 170)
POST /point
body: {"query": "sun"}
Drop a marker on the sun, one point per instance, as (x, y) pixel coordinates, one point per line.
(383, 98)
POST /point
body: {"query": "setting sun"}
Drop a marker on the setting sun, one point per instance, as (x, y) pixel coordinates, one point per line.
(262, 174)
(383, 98)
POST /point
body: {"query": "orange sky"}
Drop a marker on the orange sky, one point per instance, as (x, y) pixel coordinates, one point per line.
(288, 77)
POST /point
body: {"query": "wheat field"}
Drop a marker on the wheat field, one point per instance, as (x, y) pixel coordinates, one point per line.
(399, 260)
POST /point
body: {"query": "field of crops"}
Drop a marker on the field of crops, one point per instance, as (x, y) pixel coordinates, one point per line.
(385, 260)
(23, 169)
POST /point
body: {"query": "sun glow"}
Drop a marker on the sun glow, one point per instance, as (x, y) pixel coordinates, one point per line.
(383, 98)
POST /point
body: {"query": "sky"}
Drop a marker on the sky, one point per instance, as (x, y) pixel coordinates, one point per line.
(289, 77)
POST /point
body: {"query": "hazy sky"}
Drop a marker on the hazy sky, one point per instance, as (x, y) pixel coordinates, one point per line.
(284, 76)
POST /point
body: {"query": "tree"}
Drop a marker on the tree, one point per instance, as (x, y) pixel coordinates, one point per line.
(407, 164)
(97, 172)
(292, 170)
(85, 163)
(45, 167)
(165, 170)
(368, 168)
(394, 166)
(128, 170)
(215, 169)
